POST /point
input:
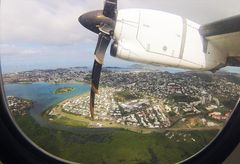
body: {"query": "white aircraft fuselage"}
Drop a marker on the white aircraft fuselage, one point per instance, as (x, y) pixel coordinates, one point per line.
(160, 38)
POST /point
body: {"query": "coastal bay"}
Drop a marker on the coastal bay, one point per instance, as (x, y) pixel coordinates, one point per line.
(76, 138)
(116, 143)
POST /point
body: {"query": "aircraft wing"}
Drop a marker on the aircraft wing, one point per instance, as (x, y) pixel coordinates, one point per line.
(225, 35)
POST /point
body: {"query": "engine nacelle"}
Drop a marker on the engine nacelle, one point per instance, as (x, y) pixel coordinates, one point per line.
(160, 38)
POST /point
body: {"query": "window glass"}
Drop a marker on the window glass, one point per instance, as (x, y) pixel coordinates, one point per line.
(143, 113)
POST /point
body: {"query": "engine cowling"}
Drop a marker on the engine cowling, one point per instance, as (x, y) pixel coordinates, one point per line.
(159, 38)
(124, 50)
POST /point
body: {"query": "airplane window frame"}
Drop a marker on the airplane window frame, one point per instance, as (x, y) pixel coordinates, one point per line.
(16, 147)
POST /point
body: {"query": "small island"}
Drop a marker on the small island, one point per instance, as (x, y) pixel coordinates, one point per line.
(63, 90)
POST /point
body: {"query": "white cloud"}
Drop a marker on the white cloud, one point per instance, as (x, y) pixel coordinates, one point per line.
(55, 21)
(200, 11)
(43, 22)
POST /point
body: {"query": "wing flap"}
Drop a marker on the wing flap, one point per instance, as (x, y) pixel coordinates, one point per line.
(224, 35)
(227, 43)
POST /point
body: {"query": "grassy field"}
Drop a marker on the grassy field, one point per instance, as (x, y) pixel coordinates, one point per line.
(73, 120)
(115, 146)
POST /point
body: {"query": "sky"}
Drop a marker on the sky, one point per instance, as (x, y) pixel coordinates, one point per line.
(40, 34)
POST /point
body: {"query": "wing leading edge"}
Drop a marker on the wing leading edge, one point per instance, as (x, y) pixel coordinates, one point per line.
(225, 26)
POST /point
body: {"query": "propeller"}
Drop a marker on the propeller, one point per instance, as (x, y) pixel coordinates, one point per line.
(101, 22)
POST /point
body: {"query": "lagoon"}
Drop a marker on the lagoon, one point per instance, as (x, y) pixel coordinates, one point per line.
(42, 95)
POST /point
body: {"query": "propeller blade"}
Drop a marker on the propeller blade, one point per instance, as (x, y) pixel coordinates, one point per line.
(110, 9)
(103, 42)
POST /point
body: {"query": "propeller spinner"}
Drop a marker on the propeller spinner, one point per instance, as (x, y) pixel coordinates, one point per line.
(101, 22)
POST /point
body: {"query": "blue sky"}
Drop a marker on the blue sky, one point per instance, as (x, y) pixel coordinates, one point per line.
(66, 56)
(38, 34)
